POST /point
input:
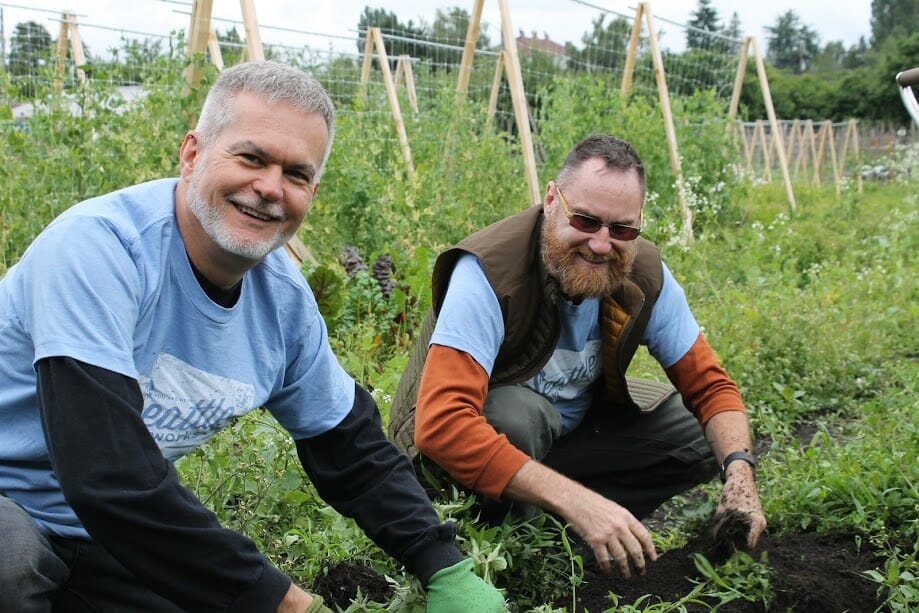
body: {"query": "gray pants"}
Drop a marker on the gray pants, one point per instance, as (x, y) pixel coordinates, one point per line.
(41, 573)
(638, 460)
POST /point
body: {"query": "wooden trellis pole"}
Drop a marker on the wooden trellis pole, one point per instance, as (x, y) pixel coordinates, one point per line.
(495, 86)
(852, 136)
(472, 36)
(213, 50)
(510, 62)
(198, 32)
(253, 38)
(750, 42)
(770, 112)
(827, 141)
(644, 10)
(404, 71)
(69, 33)
(766, 145)
(373, 40)
(810, 153)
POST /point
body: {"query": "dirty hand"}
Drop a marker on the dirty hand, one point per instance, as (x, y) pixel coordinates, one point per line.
(740, 495)
(457, 589)
(612, 532)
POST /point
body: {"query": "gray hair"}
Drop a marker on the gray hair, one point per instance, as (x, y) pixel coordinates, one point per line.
(272, 81)
(615, 153)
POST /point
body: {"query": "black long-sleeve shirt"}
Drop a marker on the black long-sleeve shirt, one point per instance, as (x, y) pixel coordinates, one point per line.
(128, 496)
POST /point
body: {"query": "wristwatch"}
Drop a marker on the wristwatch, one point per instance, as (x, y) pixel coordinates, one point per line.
(737, 455)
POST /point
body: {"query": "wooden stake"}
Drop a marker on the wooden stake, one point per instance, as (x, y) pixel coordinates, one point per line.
(518, 97)
(61, 63)
(669, 128)
(213, 49)
(404, 69)
(393, 97)
(368, 58)
(198, 30)
(853, 127)
(811, 153)
(629, 70)
(773, 122)
(738, 79)
(767, 150)
(495, 86)
(472, 36)
(253, 38)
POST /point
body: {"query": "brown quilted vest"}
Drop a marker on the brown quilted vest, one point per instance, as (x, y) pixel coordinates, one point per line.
(509, 251)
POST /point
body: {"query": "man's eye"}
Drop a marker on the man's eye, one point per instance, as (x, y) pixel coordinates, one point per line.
(249, 158)
(299, 177)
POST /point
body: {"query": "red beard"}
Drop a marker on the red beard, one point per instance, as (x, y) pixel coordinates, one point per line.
(576, 280)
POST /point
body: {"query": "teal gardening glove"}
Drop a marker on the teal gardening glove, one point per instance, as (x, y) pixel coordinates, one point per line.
(457, 589)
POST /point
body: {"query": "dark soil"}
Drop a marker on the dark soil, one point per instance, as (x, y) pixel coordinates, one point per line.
(338, 584)
(812, 573)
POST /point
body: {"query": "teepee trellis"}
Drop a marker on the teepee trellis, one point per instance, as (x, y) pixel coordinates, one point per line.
(509, 64)
(69, 33)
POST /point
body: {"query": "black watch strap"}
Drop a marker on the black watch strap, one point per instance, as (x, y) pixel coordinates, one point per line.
(737, 455)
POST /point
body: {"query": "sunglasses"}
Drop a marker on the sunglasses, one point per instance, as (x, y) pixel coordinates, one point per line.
(590, 224)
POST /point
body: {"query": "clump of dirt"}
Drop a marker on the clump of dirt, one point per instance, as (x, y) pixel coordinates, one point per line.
(727, 533)
(817, 573)
(339, 583)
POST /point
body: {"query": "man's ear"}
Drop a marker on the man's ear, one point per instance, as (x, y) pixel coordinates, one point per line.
(549, 196)
(189, 153)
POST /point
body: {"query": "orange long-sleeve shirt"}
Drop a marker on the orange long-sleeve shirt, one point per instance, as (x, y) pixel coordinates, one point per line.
(451, 430)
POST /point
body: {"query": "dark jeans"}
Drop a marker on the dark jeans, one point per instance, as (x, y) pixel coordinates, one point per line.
(49, 573)
(638, 460)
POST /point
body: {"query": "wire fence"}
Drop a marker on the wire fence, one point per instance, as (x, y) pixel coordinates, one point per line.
(48, 53)
(30, 46)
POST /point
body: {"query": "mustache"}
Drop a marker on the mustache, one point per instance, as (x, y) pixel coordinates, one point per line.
(262, 205)
(613, 258)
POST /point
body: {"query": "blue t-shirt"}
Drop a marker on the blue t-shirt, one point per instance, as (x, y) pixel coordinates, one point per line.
(470, 320)
(109, 283)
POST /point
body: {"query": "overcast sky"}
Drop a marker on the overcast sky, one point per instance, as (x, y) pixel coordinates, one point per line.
(563, 20)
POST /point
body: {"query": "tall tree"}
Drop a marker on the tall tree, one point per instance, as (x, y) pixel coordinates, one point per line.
(733, 35)
(892, 18)
(231, 46)
(449, 27)
(791, 44)
(830, 59)
(733, 28)
(31, 51)
(605, 46)
(30, 48)
(389, 24)
(704, 19)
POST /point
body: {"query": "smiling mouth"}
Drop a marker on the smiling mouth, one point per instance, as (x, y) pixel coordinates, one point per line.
(253, 212)
(594, 261)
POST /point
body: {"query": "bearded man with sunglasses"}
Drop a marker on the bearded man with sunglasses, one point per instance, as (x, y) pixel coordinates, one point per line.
(517, 384)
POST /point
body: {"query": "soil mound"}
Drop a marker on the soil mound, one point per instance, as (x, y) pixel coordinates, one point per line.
(816, 573)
